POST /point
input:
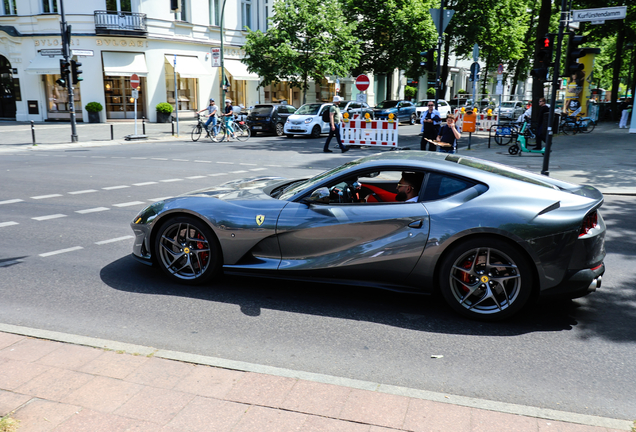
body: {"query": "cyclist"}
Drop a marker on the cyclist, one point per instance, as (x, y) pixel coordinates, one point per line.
(212, 109)
(228, 114)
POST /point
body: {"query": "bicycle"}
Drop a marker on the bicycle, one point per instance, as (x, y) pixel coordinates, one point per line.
(506, 133)
(241, 131)
(573, 125)
(198, 129)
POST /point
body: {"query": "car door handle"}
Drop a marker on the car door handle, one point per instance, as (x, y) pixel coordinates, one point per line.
(416, 224)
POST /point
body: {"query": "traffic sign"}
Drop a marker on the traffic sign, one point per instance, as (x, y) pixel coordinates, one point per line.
(362, 82)
(134, 81)
(51, 52)
(608, 13)
(440, 24)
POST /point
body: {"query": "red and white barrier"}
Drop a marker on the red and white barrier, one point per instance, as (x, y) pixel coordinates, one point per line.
(484, 121)
(372, 133)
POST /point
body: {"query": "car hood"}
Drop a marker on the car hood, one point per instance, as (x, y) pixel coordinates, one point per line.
(247, 188)
(301, 117)
(385, 110)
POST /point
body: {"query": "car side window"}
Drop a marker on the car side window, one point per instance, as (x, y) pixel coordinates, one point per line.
(440, 186)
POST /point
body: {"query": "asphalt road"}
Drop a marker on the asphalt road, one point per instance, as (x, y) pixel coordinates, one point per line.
(65, 265)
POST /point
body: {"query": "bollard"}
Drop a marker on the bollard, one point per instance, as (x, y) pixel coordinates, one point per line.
(143, 125)
(172, 127)
(112, 133)
(33, 132)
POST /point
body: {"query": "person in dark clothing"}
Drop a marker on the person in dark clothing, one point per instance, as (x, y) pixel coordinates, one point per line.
(543, 109)
(449, 134)
(430, 120)
(334, 126)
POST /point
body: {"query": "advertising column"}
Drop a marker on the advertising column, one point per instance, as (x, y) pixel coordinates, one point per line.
(579, 90)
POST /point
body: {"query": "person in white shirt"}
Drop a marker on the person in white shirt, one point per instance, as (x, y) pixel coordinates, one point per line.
(212, 110)
(409, 187)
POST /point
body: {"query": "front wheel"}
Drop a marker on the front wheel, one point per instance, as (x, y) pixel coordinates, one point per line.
(513, 149)
(196, 132)
(412, 119)
(315, 132)
(218, 135)
(242, 132)
(279, 129)
(485, 279)
(187, 250)
(589, 127)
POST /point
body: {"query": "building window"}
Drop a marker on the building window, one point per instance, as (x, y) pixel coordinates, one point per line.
(182, 15)
(246, 13)
(118, 5)
(8, 7)
(57, 101)
(215, 12)
(49, 6)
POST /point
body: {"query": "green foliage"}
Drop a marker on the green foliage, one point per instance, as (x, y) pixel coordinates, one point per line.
(94, 107)
(462, 91)
(430, 92)
(409, 92)
(164, 107)
(306, 39)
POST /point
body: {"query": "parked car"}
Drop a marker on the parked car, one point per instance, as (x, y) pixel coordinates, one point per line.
(269, 118)
(509, 110)
(307, 120)
(402, 110)
(442, 106)
(355, 107)
(488, 237)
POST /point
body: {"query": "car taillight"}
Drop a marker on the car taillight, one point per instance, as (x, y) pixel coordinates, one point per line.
(590, 221)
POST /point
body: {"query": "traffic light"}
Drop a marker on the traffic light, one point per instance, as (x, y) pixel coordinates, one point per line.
(64, 72)
(428, 59)
(572, 68)
(544, 58)
(75, 71)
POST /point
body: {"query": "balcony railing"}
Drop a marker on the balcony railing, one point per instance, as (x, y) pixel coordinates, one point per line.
(120, 23)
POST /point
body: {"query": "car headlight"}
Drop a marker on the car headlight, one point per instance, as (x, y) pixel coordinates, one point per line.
(308, 120)
(287, 120)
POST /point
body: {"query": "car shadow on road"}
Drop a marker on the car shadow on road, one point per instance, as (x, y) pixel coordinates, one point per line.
(408, 311)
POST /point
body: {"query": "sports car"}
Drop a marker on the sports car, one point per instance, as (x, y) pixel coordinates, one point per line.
(488, 237)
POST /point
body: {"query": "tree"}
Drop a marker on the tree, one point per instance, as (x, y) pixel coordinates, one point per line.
(306, 39)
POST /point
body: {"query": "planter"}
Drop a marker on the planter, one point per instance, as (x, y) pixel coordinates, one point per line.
(163, 117)
(93, 117)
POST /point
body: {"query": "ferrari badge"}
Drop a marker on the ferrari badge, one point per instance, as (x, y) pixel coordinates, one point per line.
(260, 219)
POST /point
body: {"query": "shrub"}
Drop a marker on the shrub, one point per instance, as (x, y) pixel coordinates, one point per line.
(430, 92)
(164, 107)
(409, 92)
(94, 107)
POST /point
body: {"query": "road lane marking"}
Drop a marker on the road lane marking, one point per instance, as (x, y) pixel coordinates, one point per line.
(6, 224)
(203, 161)
(98, 157)
(170, 180)
(181, 160)
(161, 159)
(159, 199)
(216, 174)
(46, 196)
(82, 191)
(92, 210)
(227, 163)
(113, 240)
(250, 164)
(128, 204)
(139, 158)
(238, 172)
(258, 169)
(115, 187)
(195, 177)
(53, 216)
(144, 183)
(61, 251)
(118, 157)
(278, 166)
(11, 201)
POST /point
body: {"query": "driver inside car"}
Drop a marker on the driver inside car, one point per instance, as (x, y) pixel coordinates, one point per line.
(408, 189)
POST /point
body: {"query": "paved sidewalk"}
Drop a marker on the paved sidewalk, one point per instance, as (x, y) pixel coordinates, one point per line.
(64, 383)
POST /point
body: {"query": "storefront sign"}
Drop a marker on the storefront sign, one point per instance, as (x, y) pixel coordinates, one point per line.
(121, 42)
(53, 42)
(216, 57)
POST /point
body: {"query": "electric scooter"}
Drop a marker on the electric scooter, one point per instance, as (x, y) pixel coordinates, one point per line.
(520, 146)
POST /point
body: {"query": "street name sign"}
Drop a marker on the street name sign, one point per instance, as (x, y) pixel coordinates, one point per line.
(83, 53)
(600, 14)
(51, 52)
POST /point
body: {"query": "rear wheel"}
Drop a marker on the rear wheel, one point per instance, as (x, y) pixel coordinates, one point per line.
(279, 129)
(412, 119)
(242, 132)
(589, 128)
(187, 250)
(196, 132)
(219, 135)
(485, 279)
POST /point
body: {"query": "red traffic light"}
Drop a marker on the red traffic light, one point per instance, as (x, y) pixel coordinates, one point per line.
(546, 43)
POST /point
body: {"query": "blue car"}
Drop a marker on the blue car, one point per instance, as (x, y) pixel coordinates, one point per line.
(402, 110)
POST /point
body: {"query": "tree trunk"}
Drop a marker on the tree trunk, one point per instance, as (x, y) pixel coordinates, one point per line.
(445, 68)
(618, 64)
(542, 28)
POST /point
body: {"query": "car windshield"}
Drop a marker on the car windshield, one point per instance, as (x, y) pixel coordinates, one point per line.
(309, 109)
(262, 110)
(422, 104)
(387, 104)
(508, 104)
(300, 185)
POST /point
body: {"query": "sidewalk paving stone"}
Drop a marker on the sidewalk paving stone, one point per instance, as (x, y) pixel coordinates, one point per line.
(160, 373)
(113, 365)
(154, 404)
(258, 389)
(209, 381)
(379, 409)
(316, 398)
(207, 414)
(104, 394)
(54, 384)
(41, 415)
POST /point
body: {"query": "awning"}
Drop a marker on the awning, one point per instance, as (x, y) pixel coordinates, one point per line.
(188, 67)
(124, 63)
(239, 71)
(44, 65)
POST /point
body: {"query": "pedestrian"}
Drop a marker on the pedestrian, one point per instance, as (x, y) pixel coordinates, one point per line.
(334, 123)
(228, 114)
(449, 134)
(430, 119)
(543, 109)
(212, 110)
(625, 109)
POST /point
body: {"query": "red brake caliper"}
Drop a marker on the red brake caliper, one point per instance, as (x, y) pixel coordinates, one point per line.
(204, 255)
(465, 276)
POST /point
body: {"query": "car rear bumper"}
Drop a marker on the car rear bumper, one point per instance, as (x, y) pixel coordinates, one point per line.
(260, 127)
(578, 283)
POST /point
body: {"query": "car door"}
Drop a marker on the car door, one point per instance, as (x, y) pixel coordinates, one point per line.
(377, 242)
(285, 111)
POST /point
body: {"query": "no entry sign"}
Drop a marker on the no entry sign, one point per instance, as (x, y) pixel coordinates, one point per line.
(134, 81)
(362, 82)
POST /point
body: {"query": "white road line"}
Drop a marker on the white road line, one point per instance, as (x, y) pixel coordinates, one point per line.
(92, 210)
(118, 157)
(144, 183)
(159, 199)
(80, 156)
(53, 216)
(113, 240)
(82, 191)
(170, 180)
(98, 157)
(216, 174)
(202, 161)
(6, 224)
(46, 196)
(258, 169)
(139, 158)
(238, 172)
(54, 155)
(248, 164)
(115, 187)
(161, 159)
(128, 204)
(11, 201)
(195, 177)
(278, 166)
(61, 251)
(227, 163)
(181, 160)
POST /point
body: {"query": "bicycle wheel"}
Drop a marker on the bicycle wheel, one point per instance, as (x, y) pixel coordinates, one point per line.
(218, 135)
(242, 132)
(196, 132)
(503, 140)
(569, 128)
(589, 128)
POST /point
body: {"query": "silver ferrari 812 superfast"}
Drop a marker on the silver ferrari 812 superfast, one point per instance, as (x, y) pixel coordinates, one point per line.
(488, 237)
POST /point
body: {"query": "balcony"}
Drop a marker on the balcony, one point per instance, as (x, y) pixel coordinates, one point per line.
(120, 23)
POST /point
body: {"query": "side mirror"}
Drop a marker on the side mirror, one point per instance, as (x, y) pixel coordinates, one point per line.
(319, 196)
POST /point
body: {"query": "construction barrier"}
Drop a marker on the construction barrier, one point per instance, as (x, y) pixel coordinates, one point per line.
(484, 121)
(369, 133)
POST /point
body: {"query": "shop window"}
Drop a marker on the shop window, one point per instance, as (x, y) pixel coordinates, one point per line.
(236, 90)
(282, 91)
(325, 91)
(118, 5)
(8, 7)
(186, 92)
(119, 101)
(49, 6)
(57, 101)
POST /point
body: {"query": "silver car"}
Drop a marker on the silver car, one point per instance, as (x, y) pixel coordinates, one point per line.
(488, 237)
(509, 110)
